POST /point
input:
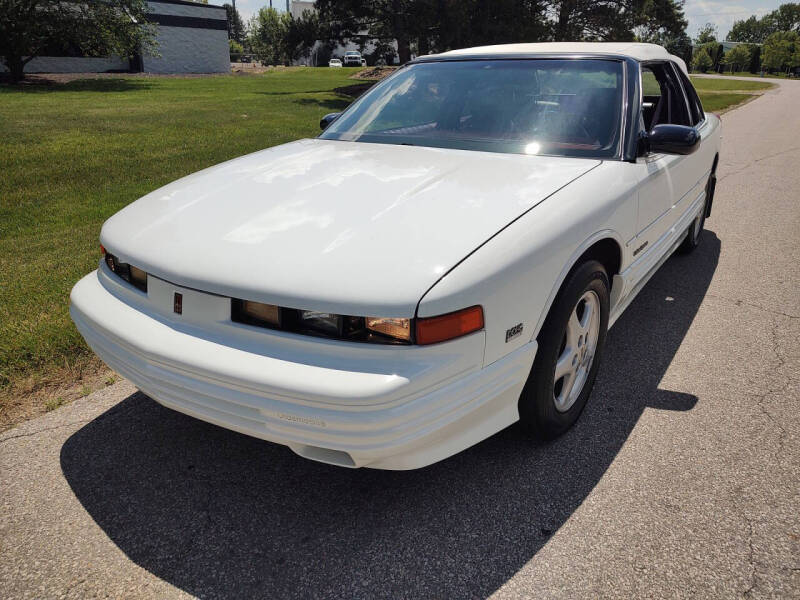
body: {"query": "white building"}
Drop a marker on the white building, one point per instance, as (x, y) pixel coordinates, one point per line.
(298, 7)
(192, 38)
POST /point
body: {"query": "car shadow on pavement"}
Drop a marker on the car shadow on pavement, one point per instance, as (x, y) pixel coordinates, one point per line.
(219, 514)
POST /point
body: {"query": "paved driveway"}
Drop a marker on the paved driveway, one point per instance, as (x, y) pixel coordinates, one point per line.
(681, 479)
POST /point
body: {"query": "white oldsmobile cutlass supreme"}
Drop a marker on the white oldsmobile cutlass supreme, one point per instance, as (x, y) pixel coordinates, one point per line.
(443, 261)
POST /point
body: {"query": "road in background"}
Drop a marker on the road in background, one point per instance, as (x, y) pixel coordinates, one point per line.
(682, 478)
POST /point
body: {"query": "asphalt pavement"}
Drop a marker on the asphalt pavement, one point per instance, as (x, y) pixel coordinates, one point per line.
(681, 479)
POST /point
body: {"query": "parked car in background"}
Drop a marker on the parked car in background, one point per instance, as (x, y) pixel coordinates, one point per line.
(444, 260)
(334, 62)
(352, 58)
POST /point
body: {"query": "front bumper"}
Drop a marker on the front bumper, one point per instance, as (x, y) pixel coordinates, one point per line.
(342, 403)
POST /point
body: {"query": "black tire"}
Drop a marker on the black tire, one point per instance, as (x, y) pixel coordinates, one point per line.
(695, 233)
(537, 404)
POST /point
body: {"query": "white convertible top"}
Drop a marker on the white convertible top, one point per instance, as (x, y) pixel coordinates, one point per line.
(635, 50)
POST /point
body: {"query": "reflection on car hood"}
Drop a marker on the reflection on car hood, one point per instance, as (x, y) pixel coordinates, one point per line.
(345, 227)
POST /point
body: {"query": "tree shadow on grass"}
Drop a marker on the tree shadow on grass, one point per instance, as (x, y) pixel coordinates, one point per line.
(219, 514)
(106, 84)
(332, 104)
(296, 93)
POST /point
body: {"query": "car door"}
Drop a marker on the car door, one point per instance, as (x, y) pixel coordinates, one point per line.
(665, 180)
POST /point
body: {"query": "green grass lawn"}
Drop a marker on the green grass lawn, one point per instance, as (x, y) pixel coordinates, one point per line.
(749, 74)
(721, 94)
(713, 84)
(74, 154)
(723, 101)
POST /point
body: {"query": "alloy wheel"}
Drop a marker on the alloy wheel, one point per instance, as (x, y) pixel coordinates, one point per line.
(577, 351)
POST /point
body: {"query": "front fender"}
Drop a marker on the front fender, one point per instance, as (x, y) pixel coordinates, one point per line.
(516, 274)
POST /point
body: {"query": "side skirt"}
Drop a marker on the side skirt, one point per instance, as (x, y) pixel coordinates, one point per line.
(620, 307)
(682, 226)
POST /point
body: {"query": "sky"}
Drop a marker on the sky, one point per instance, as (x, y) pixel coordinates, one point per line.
(247, 8)
(721, 13)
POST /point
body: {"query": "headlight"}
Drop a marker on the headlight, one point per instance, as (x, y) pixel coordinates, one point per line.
(376, 330)
(321, 322)
(133, 275)
(255, 313)
(138, 277)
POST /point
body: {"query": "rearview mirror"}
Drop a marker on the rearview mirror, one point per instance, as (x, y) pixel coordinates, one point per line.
(328, 119)
(672, 139)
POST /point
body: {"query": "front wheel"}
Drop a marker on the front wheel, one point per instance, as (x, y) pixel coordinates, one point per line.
(570, 345)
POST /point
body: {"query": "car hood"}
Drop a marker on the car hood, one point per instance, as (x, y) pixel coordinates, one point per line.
(346, 227)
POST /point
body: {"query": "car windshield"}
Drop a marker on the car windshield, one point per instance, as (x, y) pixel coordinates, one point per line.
(563, 107)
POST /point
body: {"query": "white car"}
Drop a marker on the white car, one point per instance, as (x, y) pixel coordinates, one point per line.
(334, 62)
(443, 261)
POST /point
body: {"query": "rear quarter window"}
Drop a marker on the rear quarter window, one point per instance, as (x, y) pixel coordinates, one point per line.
(696, 107)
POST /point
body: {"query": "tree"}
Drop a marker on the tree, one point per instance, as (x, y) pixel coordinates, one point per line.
(30, 28)
(438, 25)
(663, 22)
(235, 49)
(737, 57)
(779, 50)
(235, 24)
(755, 59)
(434, 25)
(301, 35)
(755, 31)
(267, 36)
(786, 17)
(384, 20)
(717, 57)
(707, 33)
(588, 20)
(701, 61)
(751, 30)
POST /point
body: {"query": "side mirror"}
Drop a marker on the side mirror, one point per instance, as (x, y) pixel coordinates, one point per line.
(328, 119)
(671, 139)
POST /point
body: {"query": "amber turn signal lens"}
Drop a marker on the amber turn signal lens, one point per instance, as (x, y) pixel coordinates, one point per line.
(431, 330)
(396, 328)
